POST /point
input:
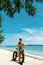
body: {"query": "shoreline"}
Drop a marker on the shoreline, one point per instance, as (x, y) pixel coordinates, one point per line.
(34, 56)
(38, 51)
(27, 54)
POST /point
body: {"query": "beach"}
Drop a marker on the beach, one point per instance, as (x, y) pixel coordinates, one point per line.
(6, 58)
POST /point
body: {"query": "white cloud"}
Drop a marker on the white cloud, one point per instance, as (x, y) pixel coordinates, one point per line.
(28, 30)
(35, 36)
(33, 31)
(30, 36)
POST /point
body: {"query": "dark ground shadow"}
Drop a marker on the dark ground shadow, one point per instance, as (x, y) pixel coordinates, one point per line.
(16, 61)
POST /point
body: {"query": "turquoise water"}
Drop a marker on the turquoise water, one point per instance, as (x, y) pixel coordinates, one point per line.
(31, 49)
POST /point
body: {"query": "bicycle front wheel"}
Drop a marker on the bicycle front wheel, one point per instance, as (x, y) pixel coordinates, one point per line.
(14, 55)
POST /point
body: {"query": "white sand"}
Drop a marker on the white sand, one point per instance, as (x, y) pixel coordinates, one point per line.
(6, 57)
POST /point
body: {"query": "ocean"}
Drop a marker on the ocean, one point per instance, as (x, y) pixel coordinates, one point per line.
(31, 49)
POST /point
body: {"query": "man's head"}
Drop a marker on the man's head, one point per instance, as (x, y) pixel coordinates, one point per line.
(20, 39)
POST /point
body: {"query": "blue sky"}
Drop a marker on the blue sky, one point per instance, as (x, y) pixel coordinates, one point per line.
(29, 28)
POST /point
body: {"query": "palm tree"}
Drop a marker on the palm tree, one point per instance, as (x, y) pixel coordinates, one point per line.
(1, 36)
(10, 7)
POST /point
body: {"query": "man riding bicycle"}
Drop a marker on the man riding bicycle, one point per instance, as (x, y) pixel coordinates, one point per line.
(20, 52)
(20, 46)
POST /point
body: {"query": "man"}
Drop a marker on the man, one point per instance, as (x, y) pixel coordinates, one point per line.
(20, 44)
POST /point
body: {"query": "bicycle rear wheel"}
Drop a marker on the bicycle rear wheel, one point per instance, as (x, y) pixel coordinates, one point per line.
(21, 60)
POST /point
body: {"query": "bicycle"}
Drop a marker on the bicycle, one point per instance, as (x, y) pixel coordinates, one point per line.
(19, 54)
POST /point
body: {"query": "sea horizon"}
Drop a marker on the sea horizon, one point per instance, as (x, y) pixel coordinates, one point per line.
(24, 45)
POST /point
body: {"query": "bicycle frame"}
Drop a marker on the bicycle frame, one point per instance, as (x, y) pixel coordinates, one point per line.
(18, 55)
